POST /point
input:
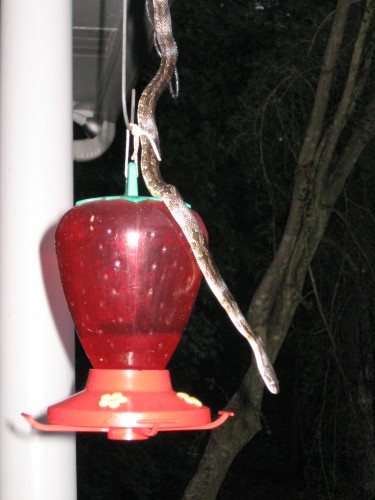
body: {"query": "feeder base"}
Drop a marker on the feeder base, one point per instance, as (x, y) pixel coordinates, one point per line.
(128, 405)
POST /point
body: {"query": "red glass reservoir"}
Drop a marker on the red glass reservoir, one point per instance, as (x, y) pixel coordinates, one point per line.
(130, 280)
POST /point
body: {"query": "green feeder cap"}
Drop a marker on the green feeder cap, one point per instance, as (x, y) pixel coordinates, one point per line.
(131, 188)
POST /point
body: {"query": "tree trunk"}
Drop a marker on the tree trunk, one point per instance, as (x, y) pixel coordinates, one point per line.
(316, 189)
(228, 440)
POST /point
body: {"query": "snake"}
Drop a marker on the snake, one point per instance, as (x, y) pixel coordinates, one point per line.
(168, 193)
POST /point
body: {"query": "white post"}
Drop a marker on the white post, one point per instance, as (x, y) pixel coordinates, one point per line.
(36, 334)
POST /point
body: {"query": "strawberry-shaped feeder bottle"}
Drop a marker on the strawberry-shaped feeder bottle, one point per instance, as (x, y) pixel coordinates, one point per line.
(130, 280)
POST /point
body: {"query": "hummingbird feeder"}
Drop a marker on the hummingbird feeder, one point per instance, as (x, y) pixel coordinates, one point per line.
(130, 280)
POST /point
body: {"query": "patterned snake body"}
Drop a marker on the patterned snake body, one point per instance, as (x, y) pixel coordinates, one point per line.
(172, 198)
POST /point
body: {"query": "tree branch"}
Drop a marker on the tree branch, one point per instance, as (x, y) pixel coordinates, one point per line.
(314, 127)
(361, 135)
(266, 293)
(353, 88)
(278, 295)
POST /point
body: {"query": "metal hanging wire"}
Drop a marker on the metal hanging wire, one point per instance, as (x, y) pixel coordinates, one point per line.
(128, 123)
(123, 62)
(131, 127)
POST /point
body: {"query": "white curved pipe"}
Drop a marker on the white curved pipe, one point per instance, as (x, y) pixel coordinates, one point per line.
(90, 149)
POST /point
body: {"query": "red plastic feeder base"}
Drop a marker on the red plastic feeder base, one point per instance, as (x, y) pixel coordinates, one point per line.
(128, 405)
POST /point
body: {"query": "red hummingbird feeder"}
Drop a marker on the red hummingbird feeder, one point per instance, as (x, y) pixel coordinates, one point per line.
(130, 280)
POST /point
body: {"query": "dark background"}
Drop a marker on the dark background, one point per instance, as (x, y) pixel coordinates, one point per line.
(228, 144)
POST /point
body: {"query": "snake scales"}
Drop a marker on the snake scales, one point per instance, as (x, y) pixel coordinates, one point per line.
(173, 200)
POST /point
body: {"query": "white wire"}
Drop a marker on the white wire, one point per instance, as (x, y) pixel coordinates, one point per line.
(123, 61)
(127, 141)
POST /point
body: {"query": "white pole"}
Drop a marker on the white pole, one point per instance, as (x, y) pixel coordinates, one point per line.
(36, 334)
